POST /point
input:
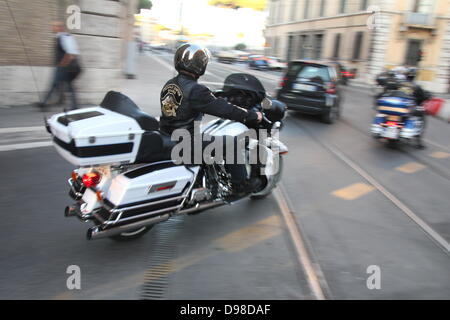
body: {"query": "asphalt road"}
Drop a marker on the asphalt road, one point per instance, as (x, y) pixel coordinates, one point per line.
(356, 203)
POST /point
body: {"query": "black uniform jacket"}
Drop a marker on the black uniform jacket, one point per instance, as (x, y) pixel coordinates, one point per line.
(184, 101)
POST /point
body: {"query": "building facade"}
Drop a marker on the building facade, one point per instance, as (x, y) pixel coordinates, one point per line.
(366, 35)
(26, 53)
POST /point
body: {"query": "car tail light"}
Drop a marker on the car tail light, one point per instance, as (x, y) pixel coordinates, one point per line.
(330, 88)
(283, 82)
(391, 123)
(91, 179)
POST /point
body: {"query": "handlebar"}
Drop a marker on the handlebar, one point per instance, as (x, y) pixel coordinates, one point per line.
(265, 123)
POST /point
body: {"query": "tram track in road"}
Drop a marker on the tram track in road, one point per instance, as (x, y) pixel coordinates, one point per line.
(434, 236)
(429, 164)
(304, 252)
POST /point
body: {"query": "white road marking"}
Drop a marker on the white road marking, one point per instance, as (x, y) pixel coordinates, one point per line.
(21, 129)
(171, 67)
(28, 145)
(257, 74)
(314, 274)
(212, 83)
(161, 61)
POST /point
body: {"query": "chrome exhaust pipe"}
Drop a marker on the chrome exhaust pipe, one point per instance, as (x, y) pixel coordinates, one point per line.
(74, 211)
(200, 207)
(97, 233)
(70, 211)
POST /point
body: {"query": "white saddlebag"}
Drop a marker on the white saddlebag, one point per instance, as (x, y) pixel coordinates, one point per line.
(141, 187)
(95, 136)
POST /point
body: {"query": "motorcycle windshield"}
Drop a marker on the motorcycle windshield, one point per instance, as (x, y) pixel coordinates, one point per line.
(244, 81)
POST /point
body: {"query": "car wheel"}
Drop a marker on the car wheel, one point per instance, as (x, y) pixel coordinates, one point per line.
(332, 115)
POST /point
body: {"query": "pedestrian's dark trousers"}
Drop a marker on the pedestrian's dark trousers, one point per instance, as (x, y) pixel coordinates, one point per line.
(60, 81)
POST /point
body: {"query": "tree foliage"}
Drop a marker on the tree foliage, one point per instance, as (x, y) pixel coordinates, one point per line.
(145, 4)
(240, 46)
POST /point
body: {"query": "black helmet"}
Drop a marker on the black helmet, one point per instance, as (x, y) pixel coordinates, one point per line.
(191, 58)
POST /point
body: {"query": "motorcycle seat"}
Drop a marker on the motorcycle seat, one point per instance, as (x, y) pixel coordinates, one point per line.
(154, 146)
(120, 103)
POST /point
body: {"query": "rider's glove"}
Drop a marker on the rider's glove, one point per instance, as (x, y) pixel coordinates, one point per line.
(251, 119)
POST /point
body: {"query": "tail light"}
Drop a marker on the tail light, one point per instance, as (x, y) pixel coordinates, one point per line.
(330, 88)
(283, 82)
(391, 123)
(91, 179)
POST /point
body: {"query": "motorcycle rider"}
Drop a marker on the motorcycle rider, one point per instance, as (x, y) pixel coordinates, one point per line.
(407, 87)
(184, 101)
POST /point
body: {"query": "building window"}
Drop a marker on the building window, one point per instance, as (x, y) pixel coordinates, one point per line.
(280, 5)
(318, 39)
(413, 52)
(358, 45)
(322, 8)
(273, 12)
(289, 49)
(337, 45)
(342, 5)
(302, 46)
(275, 46)
(423, 6)
(294, 9)
(363, 6)
(306, 10)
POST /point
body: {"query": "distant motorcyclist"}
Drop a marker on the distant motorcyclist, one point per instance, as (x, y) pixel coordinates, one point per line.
(184, 101)
(401, 82)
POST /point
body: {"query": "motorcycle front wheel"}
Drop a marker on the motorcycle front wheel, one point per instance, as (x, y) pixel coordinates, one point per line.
(265, 192)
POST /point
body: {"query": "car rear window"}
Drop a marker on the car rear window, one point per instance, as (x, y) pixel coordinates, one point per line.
(260, 62)
(307, 72)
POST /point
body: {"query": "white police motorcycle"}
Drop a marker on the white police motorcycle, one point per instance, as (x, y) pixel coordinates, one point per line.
(126, 182)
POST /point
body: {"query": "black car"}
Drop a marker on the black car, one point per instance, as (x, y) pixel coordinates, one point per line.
(311, 87)
(258, 63)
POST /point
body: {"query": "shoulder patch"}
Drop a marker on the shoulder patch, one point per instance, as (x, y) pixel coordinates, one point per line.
(171, 98)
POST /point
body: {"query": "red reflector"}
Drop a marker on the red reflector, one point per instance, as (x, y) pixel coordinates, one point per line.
(164, 188)
(91, 179)
(283, 82)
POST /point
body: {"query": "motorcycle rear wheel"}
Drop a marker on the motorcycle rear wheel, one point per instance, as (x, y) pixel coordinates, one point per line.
(132, 235)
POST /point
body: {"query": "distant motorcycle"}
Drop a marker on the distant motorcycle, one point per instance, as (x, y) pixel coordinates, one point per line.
(396, 119)
(126, 181)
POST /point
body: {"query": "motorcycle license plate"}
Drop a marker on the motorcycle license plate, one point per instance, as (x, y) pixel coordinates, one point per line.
(391, 132)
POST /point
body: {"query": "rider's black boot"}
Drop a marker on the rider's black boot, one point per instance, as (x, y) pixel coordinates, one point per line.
(248, 186)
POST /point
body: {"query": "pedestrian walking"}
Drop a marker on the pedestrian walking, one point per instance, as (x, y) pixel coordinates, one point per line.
(67, 67)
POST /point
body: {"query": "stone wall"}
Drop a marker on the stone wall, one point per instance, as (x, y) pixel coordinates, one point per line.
(25, 77)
